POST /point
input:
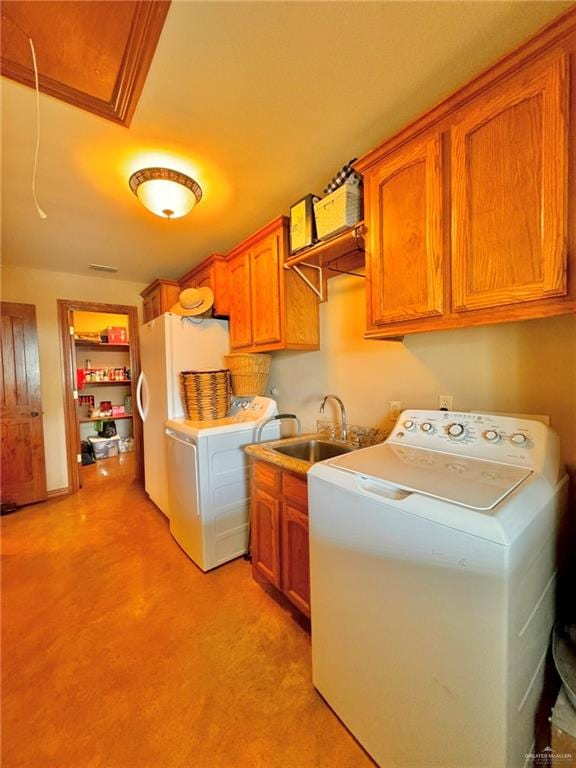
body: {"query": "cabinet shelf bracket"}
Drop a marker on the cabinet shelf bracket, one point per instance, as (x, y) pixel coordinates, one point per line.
(296, 267)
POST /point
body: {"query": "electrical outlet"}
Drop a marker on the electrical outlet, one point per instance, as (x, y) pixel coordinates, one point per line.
(445, 402)
(395, 409)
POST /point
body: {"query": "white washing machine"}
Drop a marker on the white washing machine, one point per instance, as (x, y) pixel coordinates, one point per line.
(434, 560)
(208, 480)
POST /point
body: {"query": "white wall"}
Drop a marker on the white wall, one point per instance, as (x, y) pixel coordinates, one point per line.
(43, 288)
(527, 367)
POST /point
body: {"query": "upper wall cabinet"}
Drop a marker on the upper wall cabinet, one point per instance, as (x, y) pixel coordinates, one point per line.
(509, 188)
(404, 218)
(211, 273)
(467, 208)
(270, 308)
(158, 297)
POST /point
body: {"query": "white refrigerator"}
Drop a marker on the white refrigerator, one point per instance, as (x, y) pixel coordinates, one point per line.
(170, 344)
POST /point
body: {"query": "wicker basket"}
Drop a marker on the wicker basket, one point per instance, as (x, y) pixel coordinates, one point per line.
(206, 394)
(249, 373)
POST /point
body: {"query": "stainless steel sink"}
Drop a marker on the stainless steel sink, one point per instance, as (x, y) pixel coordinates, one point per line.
(313, 450)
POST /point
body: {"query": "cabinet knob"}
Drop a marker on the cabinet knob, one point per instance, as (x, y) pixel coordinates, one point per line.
(34, 413)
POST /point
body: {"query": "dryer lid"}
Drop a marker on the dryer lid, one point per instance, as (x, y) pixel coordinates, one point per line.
(473, 483)
(245, 414)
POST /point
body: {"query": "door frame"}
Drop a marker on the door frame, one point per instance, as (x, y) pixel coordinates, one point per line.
(65, 307)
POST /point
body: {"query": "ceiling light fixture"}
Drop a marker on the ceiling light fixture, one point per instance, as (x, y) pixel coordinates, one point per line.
(165, 192)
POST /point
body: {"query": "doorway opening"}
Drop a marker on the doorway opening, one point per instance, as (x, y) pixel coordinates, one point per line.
(101, 365)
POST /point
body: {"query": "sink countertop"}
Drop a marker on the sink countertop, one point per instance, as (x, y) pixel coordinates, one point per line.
(264, 452)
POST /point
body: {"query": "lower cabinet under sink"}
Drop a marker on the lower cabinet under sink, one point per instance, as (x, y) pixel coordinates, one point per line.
(279, 531)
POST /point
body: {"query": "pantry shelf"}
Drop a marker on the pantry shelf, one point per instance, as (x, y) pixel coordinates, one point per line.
(104, 418)
(125, 382)
(97, 345)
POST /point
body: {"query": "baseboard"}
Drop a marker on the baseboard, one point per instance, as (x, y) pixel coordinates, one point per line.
(56, 492)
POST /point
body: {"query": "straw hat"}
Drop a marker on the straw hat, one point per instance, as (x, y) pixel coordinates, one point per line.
(193, 301)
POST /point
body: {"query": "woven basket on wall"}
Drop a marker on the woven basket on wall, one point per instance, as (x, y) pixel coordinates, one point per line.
(249, 373)
(206, 394)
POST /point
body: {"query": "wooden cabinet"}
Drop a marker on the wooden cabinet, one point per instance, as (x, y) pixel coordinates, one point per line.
(509, 188)
(406, 254)
(295, 541)
(240, 310)
(279, 532)
(265, 536)
(467, 213)
(158, 297)
(266, 259)
(270, 307)
(211, 273)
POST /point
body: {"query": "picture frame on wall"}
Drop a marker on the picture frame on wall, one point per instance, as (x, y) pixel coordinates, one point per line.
(302, 225)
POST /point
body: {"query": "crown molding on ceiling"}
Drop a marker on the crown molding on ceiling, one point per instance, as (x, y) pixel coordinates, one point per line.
(93, 55)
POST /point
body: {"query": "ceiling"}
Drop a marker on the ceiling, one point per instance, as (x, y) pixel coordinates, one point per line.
(261, 102)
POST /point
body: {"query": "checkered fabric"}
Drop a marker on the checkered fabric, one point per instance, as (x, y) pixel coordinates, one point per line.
(345, 174)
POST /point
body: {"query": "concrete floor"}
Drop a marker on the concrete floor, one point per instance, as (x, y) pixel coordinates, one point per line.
(119, 653)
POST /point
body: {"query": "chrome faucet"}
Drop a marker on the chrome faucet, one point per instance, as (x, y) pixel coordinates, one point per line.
(278, 416)
(342, 413)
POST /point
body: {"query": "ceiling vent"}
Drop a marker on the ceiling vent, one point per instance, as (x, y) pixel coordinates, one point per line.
(103, 268)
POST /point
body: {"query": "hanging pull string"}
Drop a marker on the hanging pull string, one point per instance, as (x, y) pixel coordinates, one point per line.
(37, 151)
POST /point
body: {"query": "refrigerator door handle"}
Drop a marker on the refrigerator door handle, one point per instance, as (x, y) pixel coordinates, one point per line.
(141, 410)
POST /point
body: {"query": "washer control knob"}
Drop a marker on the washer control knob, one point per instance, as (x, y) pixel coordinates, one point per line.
(456, 430)
(491, 435)
(519, 439)
(427, 427)
(409, 424)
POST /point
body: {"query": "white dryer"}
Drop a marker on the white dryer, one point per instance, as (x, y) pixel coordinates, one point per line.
(434, 560)
(208, 480)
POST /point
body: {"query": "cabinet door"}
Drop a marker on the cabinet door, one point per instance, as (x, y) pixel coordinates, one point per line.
(265, 536)
(153, 305)
(148, 309)
(296, 556)
(265, 286)
(221, 289)
(159, 299)
(240, 318)
(405, 254)
(509, 187)
(204, 279)
(168, 297)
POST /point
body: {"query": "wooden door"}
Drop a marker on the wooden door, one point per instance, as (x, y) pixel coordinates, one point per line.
(296, 556)
(240, 317)
(406, 252)
(265, 536)
(265, 289)
(509, 191)
(22, 452)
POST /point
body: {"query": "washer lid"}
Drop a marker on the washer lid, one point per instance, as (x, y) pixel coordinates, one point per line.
(473, 483)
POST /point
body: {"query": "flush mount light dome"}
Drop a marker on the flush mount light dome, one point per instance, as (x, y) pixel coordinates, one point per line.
(165, 192)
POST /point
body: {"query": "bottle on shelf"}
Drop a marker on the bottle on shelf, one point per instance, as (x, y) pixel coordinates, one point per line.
(106, 374)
